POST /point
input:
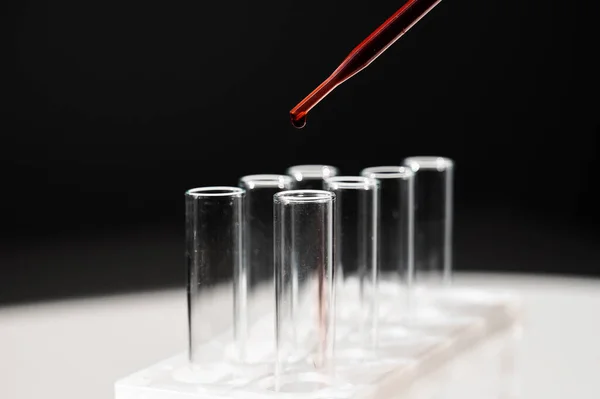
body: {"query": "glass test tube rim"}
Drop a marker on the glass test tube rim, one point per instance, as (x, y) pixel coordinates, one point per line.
(429, 163)
(267, 180)
(303, 196)
(388, 172)
(312, 171)
(215, 191)
(351, 182)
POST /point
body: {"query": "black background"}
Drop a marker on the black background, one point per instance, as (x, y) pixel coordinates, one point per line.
(113, 109)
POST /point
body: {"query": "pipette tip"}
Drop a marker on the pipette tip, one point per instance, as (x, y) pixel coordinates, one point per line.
(298, 120)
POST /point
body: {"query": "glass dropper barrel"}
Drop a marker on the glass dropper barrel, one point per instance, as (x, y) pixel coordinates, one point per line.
(365, 53)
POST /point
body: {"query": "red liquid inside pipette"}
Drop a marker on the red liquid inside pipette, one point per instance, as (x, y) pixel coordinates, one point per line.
(365, 53)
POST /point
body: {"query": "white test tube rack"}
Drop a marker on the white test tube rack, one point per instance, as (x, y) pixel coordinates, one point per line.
(465, 353)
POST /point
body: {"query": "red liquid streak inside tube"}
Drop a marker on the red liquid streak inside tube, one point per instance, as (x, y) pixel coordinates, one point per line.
(365, 53)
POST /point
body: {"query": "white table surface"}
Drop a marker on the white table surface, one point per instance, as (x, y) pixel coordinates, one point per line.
(76, 349)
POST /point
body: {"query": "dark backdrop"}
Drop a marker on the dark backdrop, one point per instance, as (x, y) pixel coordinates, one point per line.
(113, 109)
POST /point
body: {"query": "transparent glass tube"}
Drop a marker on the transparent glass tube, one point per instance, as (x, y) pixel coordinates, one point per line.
(214, 263)
(257, 313)
(355, 241)
(395, 228)
(433, 219)
(311, 177)
(305, 298)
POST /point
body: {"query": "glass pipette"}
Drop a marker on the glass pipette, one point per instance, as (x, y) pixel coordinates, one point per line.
(365, 53)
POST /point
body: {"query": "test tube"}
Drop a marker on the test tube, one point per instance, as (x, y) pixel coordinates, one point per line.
(305, 298)
(355, 241)
(433, 219)
(259, 289)
(395, 229)
(214, 261)
(311, 177)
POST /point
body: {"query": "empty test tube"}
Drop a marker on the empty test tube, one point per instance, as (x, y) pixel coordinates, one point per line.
(433, 219)
(303, 229)
(214, 261)
(311, 177)
(395, 228)
(258, 288)
(355, 241)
